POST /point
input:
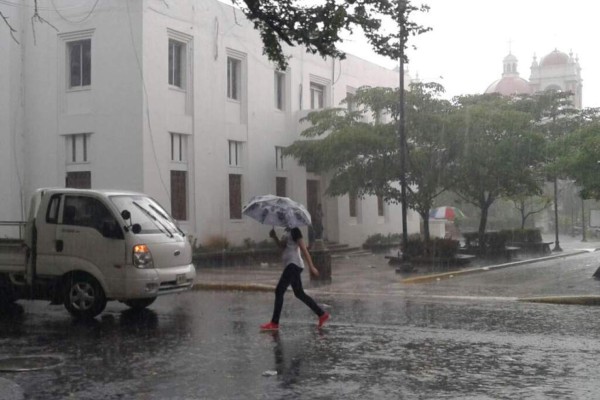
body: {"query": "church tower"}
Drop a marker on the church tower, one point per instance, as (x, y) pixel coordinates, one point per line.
(510, 83)
(558, 71)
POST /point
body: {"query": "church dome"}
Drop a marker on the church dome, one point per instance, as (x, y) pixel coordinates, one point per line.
(554, 58)
(510, 85)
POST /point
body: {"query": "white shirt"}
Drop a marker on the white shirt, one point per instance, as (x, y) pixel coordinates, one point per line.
(291, 253)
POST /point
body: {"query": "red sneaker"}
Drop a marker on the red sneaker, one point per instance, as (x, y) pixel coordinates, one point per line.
(269, 326)
(323, 318)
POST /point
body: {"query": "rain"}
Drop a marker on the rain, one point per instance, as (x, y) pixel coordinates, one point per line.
(231, 199)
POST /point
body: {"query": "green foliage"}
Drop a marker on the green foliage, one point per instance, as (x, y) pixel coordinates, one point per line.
(318, 27)
(363, 158)
(379, 239)
(436, 247)
(522, 235)
(581, 160)
(216, 242)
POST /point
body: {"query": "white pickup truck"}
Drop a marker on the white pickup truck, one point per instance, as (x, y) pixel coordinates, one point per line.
(85, 247)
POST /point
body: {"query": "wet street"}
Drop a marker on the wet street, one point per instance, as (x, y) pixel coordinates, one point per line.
(206, 345)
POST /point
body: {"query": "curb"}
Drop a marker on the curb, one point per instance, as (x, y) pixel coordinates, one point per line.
(448, 275)
(243, 287)
(572, 300)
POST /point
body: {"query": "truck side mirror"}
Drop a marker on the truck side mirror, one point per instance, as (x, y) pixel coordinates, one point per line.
(136, 228)
(125, 215)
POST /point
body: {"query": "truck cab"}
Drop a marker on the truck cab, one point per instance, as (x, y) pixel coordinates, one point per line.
(86, 247)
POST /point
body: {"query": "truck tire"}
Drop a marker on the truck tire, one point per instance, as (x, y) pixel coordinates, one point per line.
(84, 297)
(7, 292)
(139, 304)
(7, 297)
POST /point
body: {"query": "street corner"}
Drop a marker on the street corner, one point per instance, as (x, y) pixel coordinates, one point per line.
(225, 286)
(568, 300)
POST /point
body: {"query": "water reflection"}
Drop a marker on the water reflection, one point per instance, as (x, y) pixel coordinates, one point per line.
(288, 361)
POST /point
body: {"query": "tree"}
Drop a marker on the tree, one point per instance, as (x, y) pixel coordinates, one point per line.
(500, 152)
(528, 205)
(363, 157)
(318, 27)
(36, 17)
(554, 116)
(581, 160)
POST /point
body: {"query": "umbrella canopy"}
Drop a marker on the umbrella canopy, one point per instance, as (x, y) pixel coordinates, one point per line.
(445, 212)
(277, 211)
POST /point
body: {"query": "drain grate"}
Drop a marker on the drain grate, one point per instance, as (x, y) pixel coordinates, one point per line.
(29, 363)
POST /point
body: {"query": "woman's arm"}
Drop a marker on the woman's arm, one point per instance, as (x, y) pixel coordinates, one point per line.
(311, 267)
(278, 242)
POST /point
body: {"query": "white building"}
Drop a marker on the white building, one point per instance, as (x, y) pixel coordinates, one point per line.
(174, 99)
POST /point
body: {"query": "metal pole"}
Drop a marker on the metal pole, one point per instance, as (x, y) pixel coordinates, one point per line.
(402, 138)
(556, 242)
(583, 234)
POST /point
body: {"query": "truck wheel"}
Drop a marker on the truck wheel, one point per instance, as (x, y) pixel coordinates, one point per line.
(7, 296)
(7, 292)
(138, 304)
(84, 297)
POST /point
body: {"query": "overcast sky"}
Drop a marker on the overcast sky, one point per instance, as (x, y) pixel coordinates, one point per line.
(464, 51)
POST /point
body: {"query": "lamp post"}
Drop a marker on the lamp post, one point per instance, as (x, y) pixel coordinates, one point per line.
(557, 247)
(402, 139)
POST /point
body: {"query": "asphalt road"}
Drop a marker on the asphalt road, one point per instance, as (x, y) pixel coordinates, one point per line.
(459, 338)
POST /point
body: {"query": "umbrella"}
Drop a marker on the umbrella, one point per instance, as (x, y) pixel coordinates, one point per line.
(445, 212)
(277, 211)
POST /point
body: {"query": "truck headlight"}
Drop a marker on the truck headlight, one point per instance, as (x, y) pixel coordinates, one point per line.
(142, 258)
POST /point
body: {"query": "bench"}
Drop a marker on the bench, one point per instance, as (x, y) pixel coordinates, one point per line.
(511, 252)
(535, 247)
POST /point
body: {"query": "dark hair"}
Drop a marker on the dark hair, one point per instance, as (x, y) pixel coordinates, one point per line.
(296, 234)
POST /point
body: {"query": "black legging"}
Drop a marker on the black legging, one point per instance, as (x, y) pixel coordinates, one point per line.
(291, 276)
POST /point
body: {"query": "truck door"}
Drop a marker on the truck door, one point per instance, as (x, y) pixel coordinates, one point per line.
(43, 262)
(91, 239)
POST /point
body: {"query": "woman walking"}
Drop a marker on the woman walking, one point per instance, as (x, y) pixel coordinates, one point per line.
(292, 245)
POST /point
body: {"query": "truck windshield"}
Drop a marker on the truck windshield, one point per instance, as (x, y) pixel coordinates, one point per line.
(148, 213)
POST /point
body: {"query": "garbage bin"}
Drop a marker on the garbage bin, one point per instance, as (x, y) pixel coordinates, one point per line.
(322, 259)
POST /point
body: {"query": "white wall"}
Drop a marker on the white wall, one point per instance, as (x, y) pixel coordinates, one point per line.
(11, 121)
(130, 118)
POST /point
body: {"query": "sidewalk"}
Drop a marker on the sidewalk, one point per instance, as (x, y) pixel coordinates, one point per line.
(366, 274)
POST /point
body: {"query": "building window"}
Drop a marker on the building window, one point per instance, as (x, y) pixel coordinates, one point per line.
(235, 196)
(79, 180)
(235, 153)
(179, 195)
(176, 63)
(317, 96)
(352, 205)
(279, 90)
(279, 158)
(380, 206)
(178, 147)
(80, 63)
(281, 186)
(77, 148)
(234, 69)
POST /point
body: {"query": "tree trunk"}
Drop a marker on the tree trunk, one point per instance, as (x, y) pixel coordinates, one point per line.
(482, 225)
(426, 233)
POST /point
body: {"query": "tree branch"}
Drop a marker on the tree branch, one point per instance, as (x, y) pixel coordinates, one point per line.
(10, 28)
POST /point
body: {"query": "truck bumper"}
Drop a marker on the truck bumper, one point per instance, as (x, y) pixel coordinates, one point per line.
(143, 283)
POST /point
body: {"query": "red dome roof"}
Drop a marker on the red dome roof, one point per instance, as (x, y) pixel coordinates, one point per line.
(554, 58)
(510, 85)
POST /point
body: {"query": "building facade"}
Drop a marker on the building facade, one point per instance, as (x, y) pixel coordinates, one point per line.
(174, 99)
(555, 71)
